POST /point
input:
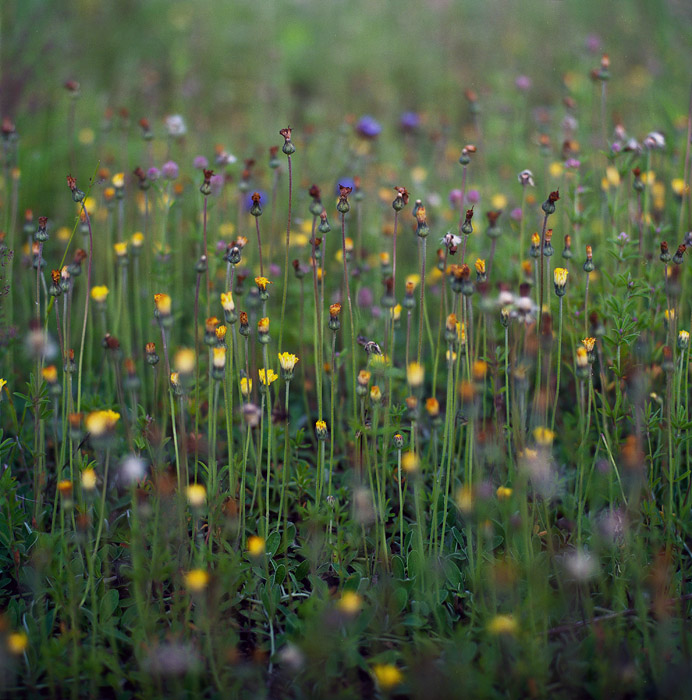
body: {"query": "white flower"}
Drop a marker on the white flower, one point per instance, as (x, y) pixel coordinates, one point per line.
(525, 177)
(655, 141)
(505, 299)
(450, 240)
(175, 125)
(225, 158)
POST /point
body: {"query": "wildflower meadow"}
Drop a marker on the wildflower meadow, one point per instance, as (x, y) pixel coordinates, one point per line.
(345, 350)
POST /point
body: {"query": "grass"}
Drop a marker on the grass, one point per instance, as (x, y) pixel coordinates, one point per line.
(368, 458)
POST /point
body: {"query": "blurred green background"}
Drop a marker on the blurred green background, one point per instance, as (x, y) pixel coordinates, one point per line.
(239, 70)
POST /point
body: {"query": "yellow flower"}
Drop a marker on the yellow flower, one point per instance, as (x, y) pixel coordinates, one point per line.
(589, 343)
(163, 304)
(413, 279)
(350, 603)
(498, 201)
(267, 376)
(480, 266)
(432, 406)
(184, 361)
(612, 176)
(375, 394)
(219, 356)
(196, 495)
(409, 462)
(50, 374)
(582, 357)
(120, 249)
(395, 313)
(555, 169)
(175, 379)
(118, 180)
(464, 499)
(503, 493)
(679, 188)
(88, 478)
(196, 580)
(262, 283)
(415, 373)
(99, 293)
(17, 643)
(3, 384)
(99, 422)
(502, 624)
(255, 546)
(388, 676)
(245, 386)
(227, 301)
(263, 325)
(321, 430)
(543, 436)
(138, 239)
(287, 361)
(65, 488)
(480, 367)
(560, 276)
(384, 256)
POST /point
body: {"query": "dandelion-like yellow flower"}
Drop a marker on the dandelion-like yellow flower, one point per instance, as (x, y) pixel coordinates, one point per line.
(387, 676)
(50, 374)
(589, 343)
(287, 361)
(415, 374)
(503, 493)
(582, 357)
(196, 580)
(196, 495)
(535, 239)
(432, 406)
(384, 258)
(364, 377)
(263, 325)
(413, 280)
(255, 546)
(350, 603)
(245, 386)
(227, 301)
(3, 384)
(375, 394)
(464, 499)
(99, 293)
(683, 339)
(321, 429)
(65, 488)
(120, 249)
(503, 625)
(480, 266)
(88, 479)
(560, 276)
(543, 436)
(118, 180)
(262, 283)
(267, 376)
(221, 334)
(409, 462)
(184, 361)
(396, 313)
(137, 239)
(175, 379)
(219, 357)
(99, 422)
(17, 643)
(163, 304)
(479, 369)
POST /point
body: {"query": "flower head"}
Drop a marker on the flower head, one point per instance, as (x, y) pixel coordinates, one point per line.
(267, 376)
(196, 580)
(388, 676)
(255, 546)
(99, 293)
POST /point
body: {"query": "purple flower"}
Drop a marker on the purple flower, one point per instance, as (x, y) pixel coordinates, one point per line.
(515, 214)
(274, 270)
(573, 163)
(409, 121)
(344, 182)
(216, 183)
(455, 198)
(365, 297)
(368, 127)
(248, 199)
(593, 43)
(153, 174)
(473, 196)
(200, 163)
(522, 82)
(170, 170)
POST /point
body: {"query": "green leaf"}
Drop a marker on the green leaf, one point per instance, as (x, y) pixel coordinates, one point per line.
(108, 604)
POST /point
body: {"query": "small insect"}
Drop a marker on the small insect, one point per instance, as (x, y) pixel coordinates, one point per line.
(370, 346)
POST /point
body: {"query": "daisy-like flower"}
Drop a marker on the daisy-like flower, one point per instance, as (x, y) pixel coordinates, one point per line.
(267, 377)
(99, 293)
(196, 580)
(99, 423)
(560, 279)
(175, 125)
(288, 362)
(525, 177)
(503, 625)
